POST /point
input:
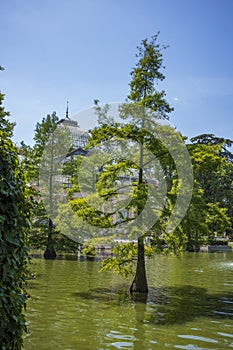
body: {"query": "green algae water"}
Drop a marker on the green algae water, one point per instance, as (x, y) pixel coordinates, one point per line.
(189, 306)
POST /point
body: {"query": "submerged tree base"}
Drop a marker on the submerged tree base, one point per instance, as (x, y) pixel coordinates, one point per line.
(134, 288)
(139, 297)
(139, 284)
(50, 254)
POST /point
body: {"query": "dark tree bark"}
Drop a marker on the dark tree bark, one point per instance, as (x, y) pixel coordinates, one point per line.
(50, 252)
(139, 284)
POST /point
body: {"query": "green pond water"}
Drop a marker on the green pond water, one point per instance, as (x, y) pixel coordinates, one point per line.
(189, 305)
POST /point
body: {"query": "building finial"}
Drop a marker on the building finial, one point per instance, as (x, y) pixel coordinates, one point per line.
(67, 110)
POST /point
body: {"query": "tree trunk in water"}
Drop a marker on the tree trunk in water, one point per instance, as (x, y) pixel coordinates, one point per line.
(50, 251)
(139, 283)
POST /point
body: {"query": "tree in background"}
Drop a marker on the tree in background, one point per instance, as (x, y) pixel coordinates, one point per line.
(217, 183)
(31, 162)
(46, 164)
(14, 223)
(50, 179)
(208, 215)
(213, 170)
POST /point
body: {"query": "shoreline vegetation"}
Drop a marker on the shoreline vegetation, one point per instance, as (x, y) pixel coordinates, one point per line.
(102, 251)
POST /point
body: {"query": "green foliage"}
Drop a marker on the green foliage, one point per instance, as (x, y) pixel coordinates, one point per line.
(211, 139)
(207, 162)
(194, 222)
(37, 237)
(32, 154)
(43, 131)
(69, 224)
(123, 263)
(217, 220)
(213, 166)
(51, 168)
(65, 244)
(43, 162)
(225, 188)
(145, 76)
(14, 222)
(146, 106)
(89, 250)
(208, 213)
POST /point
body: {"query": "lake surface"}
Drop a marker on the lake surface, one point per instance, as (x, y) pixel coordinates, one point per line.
(189, 305)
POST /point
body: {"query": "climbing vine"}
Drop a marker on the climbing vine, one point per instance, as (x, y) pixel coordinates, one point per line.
(14, 221)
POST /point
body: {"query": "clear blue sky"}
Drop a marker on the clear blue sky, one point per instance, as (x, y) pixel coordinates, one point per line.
(79, 50)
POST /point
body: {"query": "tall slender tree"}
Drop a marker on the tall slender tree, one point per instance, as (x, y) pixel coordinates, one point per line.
(32, 162)
(134, 160)
(143, 92)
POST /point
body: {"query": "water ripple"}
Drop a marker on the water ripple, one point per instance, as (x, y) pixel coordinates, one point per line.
(196, 337)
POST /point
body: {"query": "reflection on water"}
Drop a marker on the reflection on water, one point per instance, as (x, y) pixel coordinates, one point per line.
(189, 306)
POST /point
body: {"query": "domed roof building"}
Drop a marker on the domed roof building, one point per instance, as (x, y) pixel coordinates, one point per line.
(79, 135)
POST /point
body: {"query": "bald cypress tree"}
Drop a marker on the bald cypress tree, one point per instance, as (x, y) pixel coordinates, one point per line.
(143, 92)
